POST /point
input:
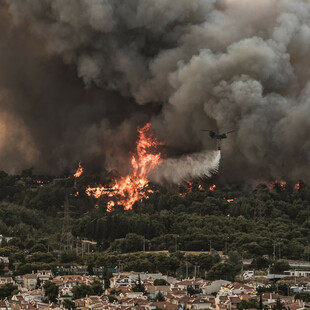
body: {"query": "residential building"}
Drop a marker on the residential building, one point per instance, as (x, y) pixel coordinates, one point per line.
(30, 281)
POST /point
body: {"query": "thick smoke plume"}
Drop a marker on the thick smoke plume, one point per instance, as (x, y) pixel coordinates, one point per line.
(196, 165)
(77, 78)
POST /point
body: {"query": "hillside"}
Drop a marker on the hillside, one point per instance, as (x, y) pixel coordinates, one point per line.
(47, 218)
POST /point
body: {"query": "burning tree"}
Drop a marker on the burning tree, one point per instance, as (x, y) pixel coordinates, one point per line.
(135, 186)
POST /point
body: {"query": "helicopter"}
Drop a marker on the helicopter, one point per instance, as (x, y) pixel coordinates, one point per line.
(218, 136)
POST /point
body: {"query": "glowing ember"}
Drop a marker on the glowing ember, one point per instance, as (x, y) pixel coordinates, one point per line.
(127, 190)
(188, 187)
(297, 187)
(282, 185)
(212, 187)
(79, 171)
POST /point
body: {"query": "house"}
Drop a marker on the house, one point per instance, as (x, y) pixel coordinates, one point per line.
(233, 302)
(121, 280)
(30, 281)
(297, 273)
(4, 305)
(36, 295)
(75, 270)
(163, 305)
(138, 295)
(213, 287)
(154, 290)
(6, 280)
(200, 303)
(6, 262)
(69, 281)
(236, 288)
(221, 300)
(191, 283)
(44, 275)
(182, 301)
(176, 292)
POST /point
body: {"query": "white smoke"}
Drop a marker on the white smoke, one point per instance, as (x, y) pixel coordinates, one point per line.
(175, 170)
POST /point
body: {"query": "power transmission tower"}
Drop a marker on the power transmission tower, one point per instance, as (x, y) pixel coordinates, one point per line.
(66, 235)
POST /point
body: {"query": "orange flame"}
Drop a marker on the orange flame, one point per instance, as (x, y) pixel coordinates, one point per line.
(212, 187)
(134, 187)
(79, 171)
(282, 185)
(188, 187)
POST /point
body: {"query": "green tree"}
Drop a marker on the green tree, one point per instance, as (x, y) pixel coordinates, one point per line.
(38, 285)
(224, 271)
(192, 292)
(139, 287)
(51, 291)
(259, 263)
(249, 304)
(158, 282)
(69, 304)
(2, 266)
(8, 290)
(68, 257)
(96, 287)
(159, 297)
(279, 267)
(81, 290)
(279, 305)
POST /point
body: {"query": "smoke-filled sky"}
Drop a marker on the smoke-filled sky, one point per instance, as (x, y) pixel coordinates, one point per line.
(78, 76)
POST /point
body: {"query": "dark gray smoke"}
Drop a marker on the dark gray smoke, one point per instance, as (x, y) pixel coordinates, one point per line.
(78, 76)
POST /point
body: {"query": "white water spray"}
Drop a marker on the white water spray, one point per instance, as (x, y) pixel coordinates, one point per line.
(175, 170)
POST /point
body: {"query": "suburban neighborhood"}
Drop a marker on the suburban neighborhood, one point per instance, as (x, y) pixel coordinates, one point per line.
(148, 291)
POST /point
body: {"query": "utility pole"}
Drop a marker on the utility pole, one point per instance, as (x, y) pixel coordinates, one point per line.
(119, 266)
(226, 246)
(186, 264)
(66, 235)
(274, 251)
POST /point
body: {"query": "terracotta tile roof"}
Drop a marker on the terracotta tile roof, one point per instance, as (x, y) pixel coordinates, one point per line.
(234, 299)
(2, 304)
(165, 305)
(159, 288)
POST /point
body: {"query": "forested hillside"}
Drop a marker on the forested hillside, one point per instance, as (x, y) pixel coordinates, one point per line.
(253, 222)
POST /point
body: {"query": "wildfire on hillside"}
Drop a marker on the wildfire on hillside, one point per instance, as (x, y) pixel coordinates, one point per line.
(282, 186)
(135, 186)
(79, 171)
(188, 186)
(278, 184)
